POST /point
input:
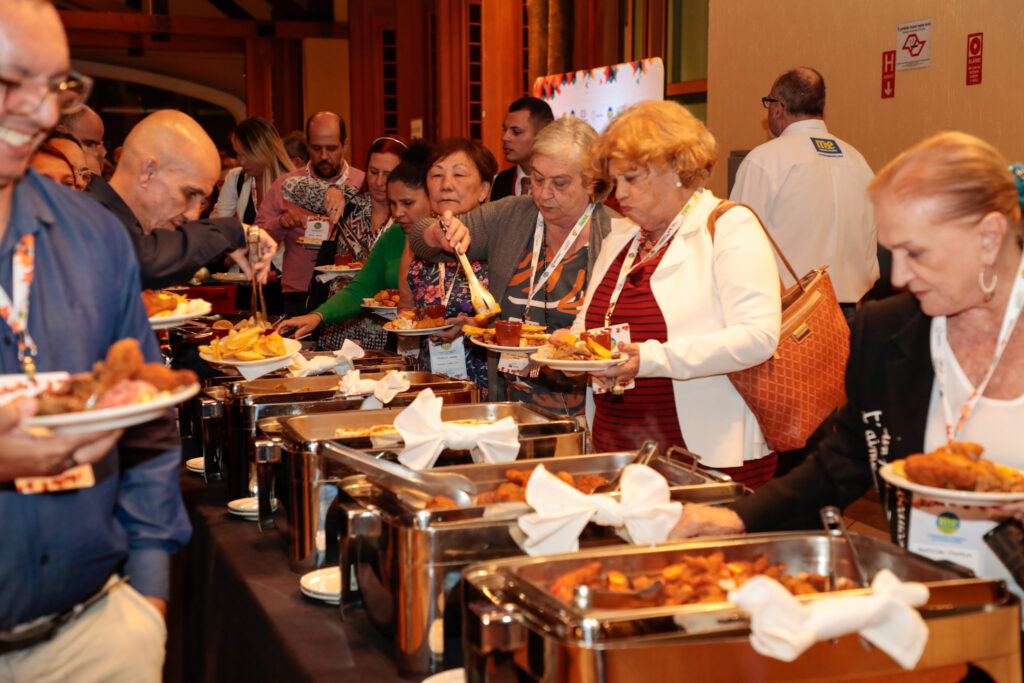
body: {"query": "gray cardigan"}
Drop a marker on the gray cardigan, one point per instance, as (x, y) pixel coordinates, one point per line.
(499, 232)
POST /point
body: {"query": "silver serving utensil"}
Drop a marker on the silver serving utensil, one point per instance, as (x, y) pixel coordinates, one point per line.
(482, 300)
(644, 456)
(832, 519)
(587, 597)
(396, 476)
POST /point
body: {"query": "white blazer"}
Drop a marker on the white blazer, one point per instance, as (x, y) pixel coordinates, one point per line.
(722, 309)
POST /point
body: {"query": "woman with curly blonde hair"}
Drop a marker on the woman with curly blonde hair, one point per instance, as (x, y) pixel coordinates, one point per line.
(696, 307)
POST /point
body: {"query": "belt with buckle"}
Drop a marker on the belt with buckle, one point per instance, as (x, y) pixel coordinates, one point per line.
(45, 628)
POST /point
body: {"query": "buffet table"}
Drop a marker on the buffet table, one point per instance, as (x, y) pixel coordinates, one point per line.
(237, 613)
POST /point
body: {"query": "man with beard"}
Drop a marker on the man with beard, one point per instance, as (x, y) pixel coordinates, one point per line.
(285, 222)
(86, 126)
(70, 286)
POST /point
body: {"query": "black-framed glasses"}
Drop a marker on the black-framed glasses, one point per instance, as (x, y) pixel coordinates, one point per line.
(71, 92)
(766, 101)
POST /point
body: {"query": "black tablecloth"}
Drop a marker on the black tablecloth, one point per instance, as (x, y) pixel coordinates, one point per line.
(236, 612)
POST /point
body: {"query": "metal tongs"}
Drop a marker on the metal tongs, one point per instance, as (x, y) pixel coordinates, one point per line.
(832, 519)
(259, 313)
(398, 477)
(482, 300)
(647, 452)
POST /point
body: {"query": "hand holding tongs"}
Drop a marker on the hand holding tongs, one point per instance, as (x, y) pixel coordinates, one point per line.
(259, 313)
(482, 300)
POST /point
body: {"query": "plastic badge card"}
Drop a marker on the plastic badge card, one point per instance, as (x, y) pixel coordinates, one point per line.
(620, 335)
(317, 227)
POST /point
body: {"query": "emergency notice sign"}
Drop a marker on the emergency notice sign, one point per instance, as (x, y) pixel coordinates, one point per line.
(975, 42)
(888, 74)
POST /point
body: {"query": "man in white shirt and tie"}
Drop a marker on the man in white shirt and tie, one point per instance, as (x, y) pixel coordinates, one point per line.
(810, 189)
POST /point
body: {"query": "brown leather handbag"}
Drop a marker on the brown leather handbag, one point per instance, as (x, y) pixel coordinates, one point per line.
(792, 392)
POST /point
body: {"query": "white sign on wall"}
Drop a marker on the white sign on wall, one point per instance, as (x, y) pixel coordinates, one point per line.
(599, 95)
(913, 45)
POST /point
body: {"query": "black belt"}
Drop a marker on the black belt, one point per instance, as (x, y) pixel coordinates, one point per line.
(44, 629)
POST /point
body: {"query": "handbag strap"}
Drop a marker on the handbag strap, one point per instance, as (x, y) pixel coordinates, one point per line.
(723, 206)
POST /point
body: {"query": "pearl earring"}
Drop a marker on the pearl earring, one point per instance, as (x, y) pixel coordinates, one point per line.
(988, 291)
(679, 183)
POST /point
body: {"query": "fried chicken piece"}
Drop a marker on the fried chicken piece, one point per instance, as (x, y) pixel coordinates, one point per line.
(943, 470)
(164, 378)
(971, 451)
(521, 477)
(158, 302)
(124, 359)
(586, 483)
(566, 477)
(563, 586)
(510, 493)
(441, 503)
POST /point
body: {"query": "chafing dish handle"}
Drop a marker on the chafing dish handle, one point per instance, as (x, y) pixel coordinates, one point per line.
(357, 523)
(268, 454)
(211, 409)
(490, 630)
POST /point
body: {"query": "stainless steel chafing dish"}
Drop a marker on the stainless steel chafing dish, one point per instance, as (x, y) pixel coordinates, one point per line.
(246, 403)
(514, 629)
(407, 560)
(294, 444)
(202, 420)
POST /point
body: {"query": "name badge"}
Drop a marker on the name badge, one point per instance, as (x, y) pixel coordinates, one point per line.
(78, 477)
(620, 335)
(449, 358)
(317, 227)
(514, 363)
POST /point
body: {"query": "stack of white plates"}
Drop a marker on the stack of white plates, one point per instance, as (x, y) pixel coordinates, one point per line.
(248, 508)
(322, 584)
(196, 466)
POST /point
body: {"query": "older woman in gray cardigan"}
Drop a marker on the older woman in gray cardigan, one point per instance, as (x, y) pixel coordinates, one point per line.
(540, 251)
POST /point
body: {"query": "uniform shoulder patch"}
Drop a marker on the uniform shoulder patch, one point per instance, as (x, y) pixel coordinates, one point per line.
(826, 147)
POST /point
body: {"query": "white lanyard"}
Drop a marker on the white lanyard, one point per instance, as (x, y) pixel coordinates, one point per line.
(1010, 316)
(634, 249)
(15, 313)
(538, 244)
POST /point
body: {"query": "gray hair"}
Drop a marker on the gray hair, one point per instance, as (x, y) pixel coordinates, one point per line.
(569, 137)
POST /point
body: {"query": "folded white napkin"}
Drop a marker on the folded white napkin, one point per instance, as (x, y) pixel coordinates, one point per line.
(340, 362)
(377, 392)
(426, 435)
(255, 372)
(644, 510)
(783, 628)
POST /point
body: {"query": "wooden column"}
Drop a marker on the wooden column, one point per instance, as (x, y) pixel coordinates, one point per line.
(259, 77)
(452, 92)
(502, 67)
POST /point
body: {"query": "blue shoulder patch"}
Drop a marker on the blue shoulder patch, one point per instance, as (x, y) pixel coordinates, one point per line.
(826, 147)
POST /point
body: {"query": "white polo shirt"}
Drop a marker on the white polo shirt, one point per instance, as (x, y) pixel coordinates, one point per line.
(810, 189)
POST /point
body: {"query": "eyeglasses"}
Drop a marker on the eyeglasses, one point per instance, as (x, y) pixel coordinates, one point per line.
(71, 92)
(766, 101)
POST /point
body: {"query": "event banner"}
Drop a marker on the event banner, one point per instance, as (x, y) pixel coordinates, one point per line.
(599, 95)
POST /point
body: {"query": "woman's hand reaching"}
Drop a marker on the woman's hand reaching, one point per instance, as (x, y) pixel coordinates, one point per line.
(302, 324)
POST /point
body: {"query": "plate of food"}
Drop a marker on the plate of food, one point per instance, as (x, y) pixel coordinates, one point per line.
(120, 391)
(508, 337)
(339, 271)
(579, 354)
(419, 322)
(252, 347)
(168, 309)
(956, 473)
(230, 277)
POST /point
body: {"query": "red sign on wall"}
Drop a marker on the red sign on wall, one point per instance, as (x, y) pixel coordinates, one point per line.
(888, 74)
(975, 41)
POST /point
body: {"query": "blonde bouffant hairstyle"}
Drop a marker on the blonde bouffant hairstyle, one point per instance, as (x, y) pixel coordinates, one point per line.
(968, 177)
(660, 134)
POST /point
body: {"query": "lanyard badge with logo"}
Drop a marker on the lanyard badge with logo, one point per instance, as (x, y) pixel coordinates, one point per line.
(634, 251)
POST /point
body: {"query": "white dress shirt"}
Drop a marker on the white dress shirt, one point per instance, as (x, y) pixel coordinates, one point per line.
(231, 202)
(810, 189)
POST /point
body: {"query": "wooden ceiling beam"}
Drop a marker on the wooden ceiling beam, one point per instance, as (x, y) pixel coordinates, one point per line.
(121, 22)
(125, 41)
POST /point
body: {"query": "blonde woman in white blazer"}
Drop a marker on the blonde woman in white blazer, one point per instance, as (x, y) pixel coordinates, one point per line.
(698, 308)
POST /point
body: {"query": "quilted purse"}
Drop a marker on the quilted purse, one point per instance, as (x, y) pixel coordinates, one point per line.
(792, 392)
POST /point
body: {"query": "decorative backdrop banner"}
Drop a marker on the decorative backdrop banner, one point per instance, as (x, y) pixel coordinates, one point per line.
(599, 95)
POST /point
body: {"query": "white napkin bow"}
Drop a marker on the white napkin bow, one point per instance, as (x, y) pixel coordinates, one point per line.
(645, 510)
(783, 628)
(426, 435)
(377, 392)
(340, 362)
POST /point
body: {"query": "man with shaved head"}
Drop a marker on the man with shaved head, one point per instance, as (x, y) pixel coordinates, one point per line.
(810, 190)
(327, 141)
(86, 126)
(69, 288)
(169, 165)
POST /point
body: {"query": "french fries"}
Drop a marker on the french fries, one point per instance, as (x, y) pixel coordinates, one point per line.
(245, 345)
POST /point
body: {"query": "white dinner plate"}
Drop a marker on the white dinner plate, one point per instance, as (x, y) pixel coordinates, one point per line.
(196, 465)
(389, 312)
(248, 508)
(322, 584)
(449, 676)
(341, 270)
(168, 321)
(292, 346)
(230, 277)
(578, 365)
(505, 349)
(419, 333)
(112, 418)
(893, 473)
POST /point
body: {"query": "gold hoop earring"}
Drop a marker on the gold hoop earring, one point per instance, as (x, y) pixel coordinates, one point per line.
(987, 290)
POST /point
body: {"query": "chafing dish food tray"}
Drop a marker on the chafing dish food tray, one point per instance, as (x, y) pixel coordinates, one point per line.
(310, 477)
(407, 558)
(515, 628)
